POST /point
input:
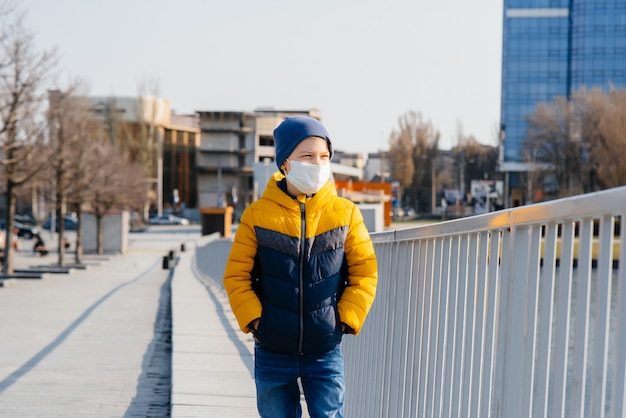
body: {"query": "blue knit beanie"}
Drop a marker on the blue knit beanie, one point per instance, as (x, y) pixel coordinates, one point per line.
(294, 130)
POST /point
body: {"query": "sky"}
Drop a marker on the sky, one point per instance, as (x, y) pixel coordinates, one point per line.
(361, 63)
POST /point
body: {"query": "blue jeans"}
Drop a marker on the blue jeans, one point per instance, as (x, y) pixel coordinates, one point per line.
(276, 376)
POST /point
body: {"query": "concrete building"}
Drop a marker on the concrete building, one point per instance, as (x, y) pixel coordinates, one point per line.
(235, 158)
(180, 145)
(348, 165)
(212, 159)
(166, 143)
(378, 167)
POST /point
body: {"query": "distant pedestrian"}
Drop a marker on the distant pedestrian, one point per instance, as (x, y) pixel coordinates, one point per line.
(301, 273)
(2, 246)
(40, 246)
(15, 241)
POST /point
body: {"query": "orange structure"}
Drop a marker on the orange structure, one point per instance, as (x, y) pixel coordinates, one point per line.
(366, 192)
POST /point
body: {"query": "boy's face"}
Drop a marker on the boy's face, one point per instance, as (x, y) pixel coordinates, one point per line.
(312, 150)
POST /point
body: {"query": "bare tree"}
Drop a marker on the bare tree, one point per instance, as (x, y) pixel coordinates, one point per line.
(580, 141)
(554, 138)
(401, 152)
(60, 163)
(86, 168)
(23, 73)
(7, 9)
(608, 137)
(534, 177)
(414, 147)
(139, 140)
(120, 184)
(73, 133)
(444, 167)
(472, 161)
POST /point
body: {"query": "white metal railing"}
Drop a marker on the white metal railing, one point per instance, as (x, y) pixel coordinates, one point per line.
(516, 313)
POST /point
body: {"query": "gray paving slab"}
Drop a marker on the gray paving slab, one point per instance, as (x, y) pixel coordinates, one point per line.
(84, 345)
(212, 366)
(213, 363)
(96, 343)
(7, 282)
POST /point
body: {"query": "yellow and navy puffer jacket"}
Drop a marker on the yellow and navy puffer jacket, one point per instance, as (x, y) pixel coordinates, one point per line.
(315, 266)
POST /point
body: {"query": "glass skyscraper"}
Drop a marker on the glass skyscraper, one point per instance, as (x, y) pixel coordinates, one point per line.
(551, 48)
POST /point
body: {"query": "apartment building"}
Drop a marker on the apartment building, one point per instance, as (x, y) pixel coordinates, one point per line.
(236, 155)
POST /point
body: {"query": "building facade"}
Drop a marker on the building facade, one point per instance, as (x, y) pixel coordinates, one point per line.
(180, 144)
(348, 165)
(551, 48)
(164, 142)
(378, 167)
(233, 145)
(235, 159)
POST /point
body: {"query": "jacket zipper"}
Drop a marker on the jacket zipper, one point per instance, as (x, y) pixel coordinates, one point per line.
(302, 254)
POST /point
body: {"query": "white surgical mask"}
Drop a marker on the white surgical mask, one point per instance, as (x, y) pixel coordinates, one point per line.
(308, 178)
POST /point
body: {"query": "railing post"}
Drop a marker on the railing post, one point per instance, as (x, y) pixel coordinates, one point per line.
(516, 275)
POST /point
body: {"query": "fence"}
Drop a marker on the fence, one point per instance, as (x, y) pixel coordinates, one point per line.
(516, 313)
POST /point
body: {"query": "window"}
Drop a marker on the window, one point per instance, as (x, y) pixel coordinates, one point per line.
(266, 141)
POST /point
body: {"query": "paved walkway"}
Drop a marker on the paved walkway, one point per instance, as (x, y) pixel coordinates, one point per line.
(126, 337)
(94, 342)
(212, 361)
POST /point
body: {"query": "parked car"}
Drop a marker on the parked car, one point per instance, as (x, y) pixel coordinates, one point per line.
(70, 223)
(25, 231)
(168, 220)
(25, 219)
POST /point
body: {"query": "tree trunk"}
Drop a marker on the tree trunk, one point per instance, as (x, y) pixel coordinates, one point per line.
(7, 266)
(99, 233)
(79, 237)
(60, 209)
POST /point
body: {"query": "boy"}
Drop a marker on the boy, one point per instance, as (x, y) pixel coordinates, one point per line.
(301, 273)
